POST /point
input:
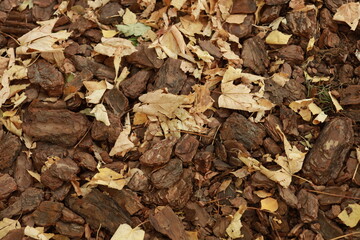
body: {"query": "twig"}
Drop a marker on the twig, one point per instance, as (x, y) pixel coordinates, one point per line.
(344, 236)
(332, 194)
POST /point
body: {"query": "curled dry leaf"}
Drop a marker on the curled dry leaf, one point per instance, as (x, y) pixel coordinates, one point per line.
(336, 103)
(41, 39)
(350, 215)
(110, 178)
(7, 225)
(37, 233)
(123, 143)
(234, 228)
(270, 204)
(306, 108)
(239, 96)
(290, 164)
(126, 232)
(349, 13)
(100, 114)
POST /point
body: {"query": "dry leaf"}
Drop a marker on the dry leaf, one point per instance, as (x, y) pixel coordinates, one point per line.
(189, 26)
(34, 175)
(277, 38)
(234, 228)
(350, 215)
(349, 13)
(262, 194)
(97, 3)
(41, 39)
(290, 164)
(140, 118)
(178, 3)
(126, 232)
(110, 178)
(336, 103)
(109, 33)
(123, 143)
(100, 114)
(192, 235)
(306, 108)
(129, 17)
(37, 233)
(269, 204)
(239, 96)
(236, 18)
(6, 225)
(310, 44)
(115, 47)
(203, 100)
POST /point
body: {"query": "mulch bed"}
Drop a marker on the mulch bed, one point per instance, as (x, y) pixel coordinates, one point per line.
(136, 114)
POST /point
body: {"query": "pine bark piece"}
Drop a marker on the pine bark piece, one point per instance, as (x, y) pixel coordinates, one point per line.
(8, 185)
(243, 6)
(48, 77)
(254, 55)
(309, 206)
(72, 230)
(116, 99)
(210, 48)
(10, 147)
(167, 175)
(135, 85)
(159, 154)
(170, 76)
(292, 53)
(350, 95)
(325, 160)
(98, 209)
(165, 221)
(241, 129)
(99, 70)
(64, 169)
(23, 179)
(47, 213)
(46, 122)
(303, 23)
(186, 148)
(145, 57)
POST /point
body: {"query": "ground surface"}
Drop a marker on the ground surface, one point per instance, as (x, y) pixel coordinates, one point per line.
(179, 119)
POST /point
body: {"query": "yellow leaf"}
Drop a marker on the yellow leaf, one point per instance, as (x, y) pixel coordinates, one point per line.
(126, 232)
(262, 194)
(129, 17)
(350, 215)
(269, 204)
(234, 228)
(277, 38)
(349, 13)
(110, 178)
(310, 44)
(6, 225)
(109, 33)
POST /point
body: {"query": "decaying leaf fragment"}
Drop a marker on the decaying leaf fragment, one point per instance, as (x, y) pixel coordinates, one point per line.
(290, 164)
(234, 228)
(306, 108)
(123, 143)
(126, 232)
(37, 233)
(6, 225)
(350, 215)
(349, 13)
(171, 110)
(239, 96)
(109, 178)
(100, 114)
